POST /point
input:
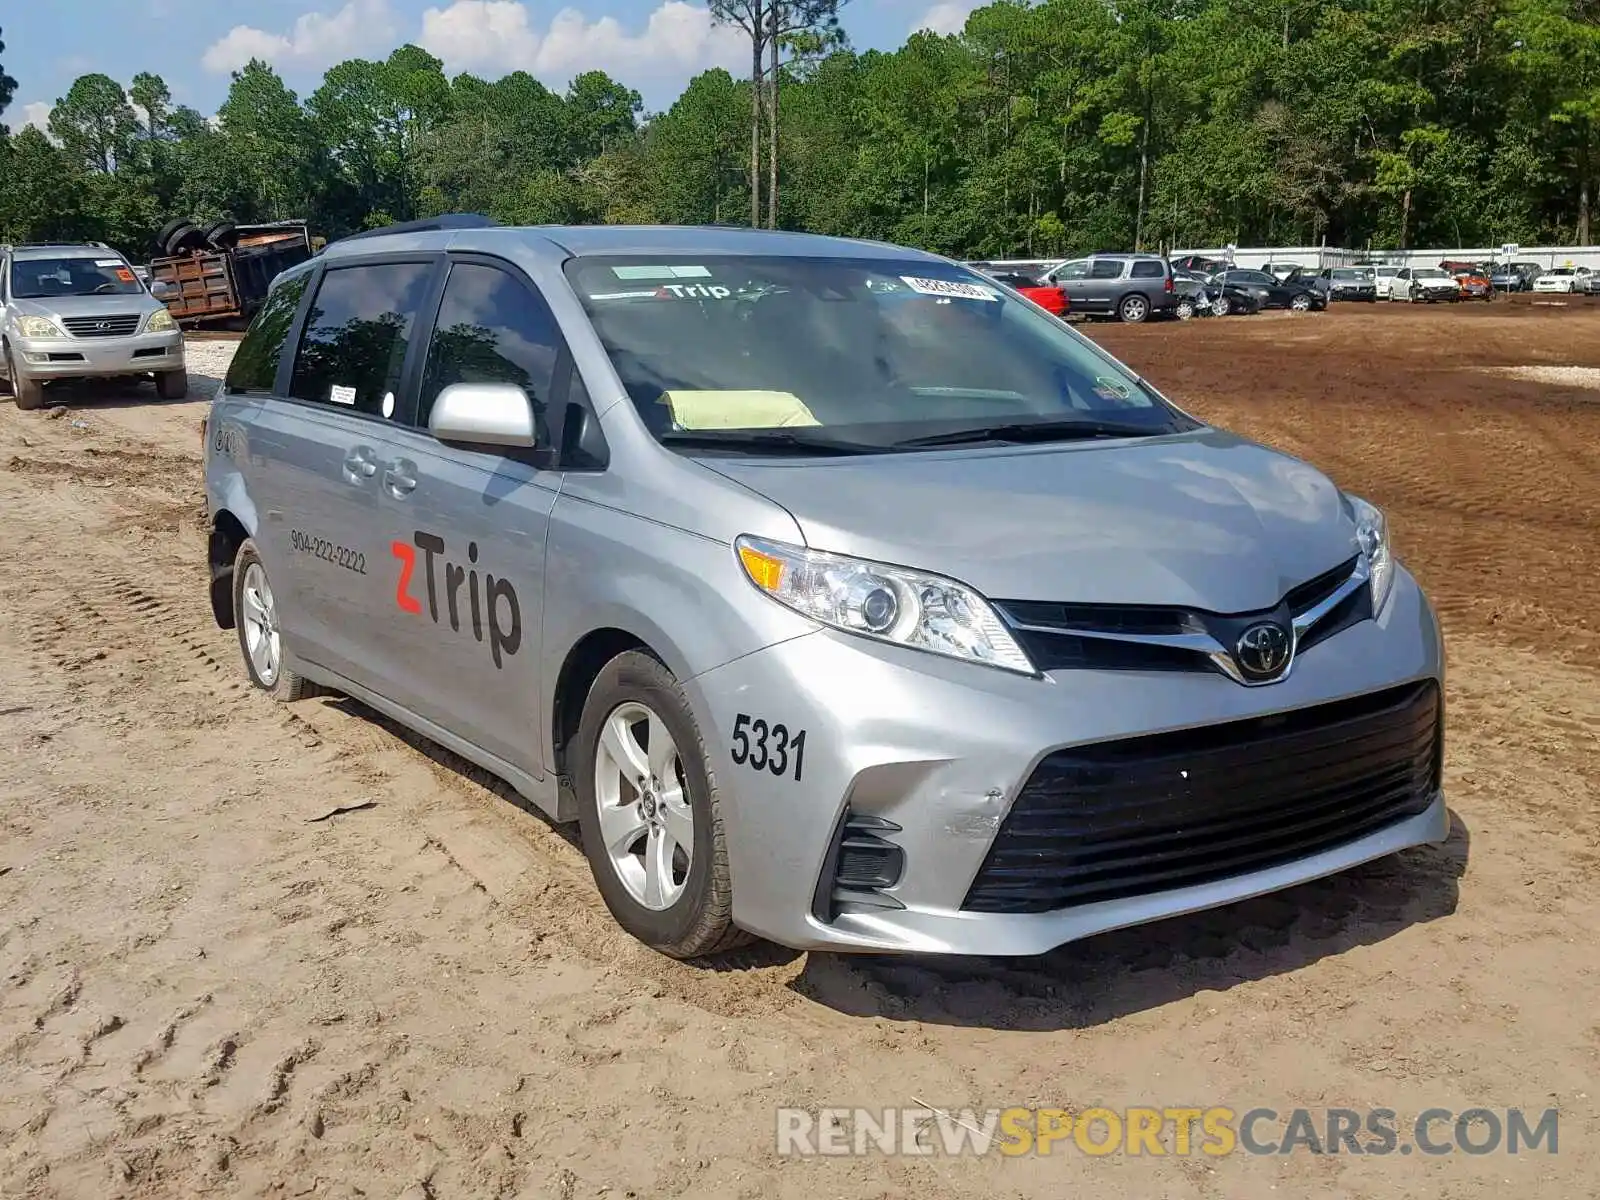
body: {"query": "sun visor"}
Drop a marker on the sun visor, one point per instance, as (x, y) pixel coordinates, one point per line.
(736, 409)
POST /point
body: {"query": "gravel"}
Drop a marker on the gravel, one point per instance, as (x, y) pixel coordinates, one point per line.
(1584, 377)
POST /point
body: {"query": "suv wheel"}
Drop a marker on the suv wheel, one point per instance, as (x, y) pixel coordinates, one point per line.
(1133, 309)
(29, 393)
(172, 385)
(255, 616)
(648, 810)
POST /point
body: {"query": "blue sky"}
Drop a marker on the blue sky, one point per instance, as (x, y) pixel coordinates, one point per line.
(652, 45)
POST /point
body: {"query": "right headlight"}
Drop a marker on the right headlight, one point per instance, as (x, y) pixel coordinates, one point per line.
(38, 327)
(1372, 532)
(889, 604)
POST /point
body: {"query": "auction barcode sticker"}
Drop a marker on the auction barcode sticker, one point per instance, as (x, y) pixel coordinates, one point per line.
(949, 288)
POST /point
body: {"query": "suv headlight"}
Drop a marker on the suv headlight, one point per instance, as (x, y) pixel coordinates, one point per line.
(1372, 532)
(160, 322)
(38, 327)
(891, 604)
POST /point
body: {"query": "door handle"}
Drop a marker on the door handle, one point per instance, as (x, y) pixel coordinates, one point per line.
(400, 478)
(360, 465)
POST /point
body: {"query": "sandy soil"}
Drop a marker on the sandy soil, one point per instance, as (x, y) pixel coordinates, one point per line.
(211, 986)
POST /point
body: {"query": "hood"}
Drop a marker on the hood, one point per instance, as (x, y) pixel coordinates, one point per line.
(1205, 519)
(85, 306)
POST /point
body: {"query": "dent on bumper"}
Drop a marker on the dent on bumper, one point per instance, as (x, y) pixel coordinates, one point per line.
(942, 748)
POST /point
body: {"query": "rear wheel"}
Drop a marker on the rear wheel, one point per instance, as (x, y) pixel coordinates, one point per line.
(255, 617)
(1185, 309)
(172, 385)
(1133, 309)
(648, 810)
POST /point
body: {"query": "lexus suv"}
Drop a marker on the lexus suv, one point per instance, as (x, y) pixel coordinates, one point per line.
(839, 595)
(81, 312)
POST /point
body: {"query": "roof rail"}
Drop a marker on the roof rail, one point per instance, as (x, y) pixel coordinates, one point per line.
(426, 225)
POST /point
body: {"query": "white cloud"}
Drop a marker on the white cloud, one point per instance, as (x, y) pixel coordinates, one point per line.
(316, 39)
(944, 18)
(36, 114)
(488, 35)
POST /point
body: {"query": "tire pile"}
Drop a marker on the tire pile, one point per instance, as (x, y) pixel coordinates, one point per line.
(183, 235)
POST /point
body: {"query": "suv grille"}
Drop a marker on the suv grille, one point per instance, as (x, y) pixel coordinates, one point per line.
(117, 325)
(1170, 810)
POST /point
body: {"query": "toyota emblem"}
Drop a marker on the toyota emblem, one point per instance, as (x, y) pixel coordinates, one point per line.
(1263, 650)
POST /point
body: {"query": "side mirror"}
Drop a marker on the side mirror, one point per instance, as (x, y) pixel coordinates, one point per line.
(162, 289)
(484, 414)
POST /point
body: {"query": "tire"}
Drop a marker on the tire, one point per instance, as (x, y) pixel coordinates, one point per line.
(682, 919)
(29, 393)
(222, 235)
(185, 238)
(167, 230)
(172, 385)
(1184, 310)
(1133, 309)
(279, 682)
(11, 371)
(1301, 303)
(1222, 306)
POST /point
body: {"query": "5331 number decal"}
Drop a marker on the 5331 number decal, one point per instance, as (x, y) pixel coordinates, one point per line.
(764, 746)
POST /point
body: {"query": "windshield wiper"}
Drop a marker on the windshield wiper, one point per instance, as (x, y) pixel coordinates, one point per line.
(767, 442)
(1033, 431)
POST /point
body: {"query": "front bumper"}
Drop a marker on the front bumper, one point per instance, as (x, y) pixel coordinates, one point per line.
(83, 358)
(940, 750)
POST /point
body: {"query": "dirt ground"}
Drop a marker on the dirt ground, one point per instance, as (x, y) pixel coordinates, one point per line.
(210, 986)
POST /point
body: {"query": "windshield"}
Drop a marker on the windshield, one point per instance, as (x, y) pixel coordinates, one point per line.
(1352, 274)
(1430, 273)
(876, 351)
(39, 278)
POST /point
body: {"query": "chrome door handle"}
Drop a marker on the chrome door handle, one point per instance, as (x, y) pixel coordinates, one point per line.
(400, 478)
(360, 464)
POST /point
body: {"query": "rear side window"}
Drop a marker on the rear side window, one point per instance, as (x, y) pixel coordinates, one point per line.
(356, 335)
(491, 329)
(255, 363)
(1106, 268)
(1147, 270)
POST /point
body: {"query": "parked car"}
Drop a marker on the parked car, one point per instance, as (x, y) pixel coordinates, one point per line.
(78, 311)
(1562, 279)
(839, 600)
(1472, 277)
(1199, 264)
(1269, 292)
(1193, 290)
(1047, 296)
(1424, 285)
(1283, 271)
(1350, 283)
(1308, 278)
(1132, 287)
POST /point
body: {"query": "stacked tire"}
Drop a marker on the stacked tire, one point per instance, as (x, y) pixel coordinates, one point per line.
(182, 235)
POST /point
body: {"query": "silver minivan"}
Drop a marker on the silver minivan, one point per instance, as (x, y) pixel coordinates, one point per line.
(840, 595)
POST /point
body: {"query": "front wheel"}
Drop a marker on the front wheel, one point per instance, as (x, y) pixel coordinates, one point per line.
(1301, 303)
(1133, 309)
(649, 814)
(172, 385)
(1222, 306)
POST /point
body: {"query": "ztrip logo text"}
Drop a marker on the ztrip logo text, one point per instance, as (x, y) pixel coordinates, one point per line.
(492, 610)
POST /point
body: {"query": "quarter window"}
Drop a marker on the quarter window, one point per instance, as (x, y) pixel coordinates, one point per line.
(255, 363)
(491, 329)
(1147, 270)
(357, 332)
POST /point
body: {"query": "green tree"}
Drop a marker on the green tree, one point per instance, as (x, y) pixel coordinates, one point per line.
(94, 123)
(8, 85)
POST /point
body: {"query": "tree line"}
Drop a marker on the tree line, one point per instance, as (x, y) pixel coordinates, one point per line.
(1047, 128)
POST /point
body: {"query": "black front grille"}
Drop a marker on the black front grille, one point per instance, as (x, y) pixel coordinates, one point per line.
(1170, 810)
(119, 325)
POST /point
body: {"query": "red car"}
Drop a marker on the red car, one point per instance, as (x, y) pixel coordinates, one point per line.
(1052, 299)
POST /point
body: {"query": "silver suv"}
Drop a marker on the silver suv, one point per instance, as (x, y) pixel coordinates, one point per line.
(81, 312)
(838, 593)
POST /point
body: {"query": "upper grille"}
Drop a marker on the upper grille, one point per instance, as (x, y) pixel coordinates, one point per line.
(116, 325)
(1170, 810)
(1142, 637)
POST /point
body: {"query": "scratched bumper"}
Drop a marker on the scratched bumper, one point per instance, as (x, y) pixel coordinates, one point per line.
(941, 748)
